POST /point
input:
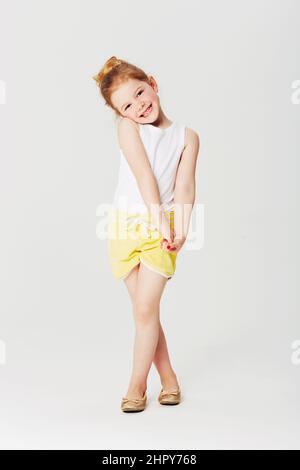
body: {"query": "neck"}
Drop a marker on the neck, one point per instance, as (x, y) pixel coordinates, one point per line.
(162, 120)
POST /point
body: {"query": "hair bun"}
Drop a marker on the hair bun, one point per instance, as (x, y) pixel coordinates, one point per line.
(107, 67)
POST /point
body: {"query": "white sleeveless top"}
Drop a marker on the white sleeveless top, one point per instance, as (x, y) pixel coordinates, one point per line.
(164, 148)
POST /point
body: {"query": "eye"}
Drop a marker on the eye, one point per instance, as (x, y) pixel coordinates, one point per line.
(141, 91)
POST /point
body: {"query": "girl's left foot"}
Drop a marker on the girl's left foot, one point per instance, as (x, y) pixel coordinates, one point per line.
(169, 397)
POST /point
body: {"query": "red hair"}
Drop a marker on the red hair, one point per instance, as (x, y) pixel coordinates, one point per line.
(114, 72)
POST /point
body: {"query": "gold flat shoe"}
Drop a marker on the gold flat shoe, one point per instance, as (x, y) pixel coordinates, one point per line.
(169, 397)
(134, 404)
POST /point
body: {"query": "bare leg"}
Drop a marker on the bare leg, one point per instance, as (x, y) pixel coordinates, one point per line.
(163, 365)
(161, 356)
(149, 288)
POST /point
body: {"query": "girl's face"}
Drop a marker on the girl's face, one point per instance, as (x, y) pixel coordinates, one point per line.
(137, 100)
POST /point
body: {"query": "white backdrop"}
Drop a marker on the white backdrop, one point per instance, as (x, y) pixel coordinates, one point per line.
(230, 71)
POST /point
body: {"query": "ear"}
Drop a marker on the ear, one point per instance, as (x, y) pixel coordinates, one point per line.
(152, 83)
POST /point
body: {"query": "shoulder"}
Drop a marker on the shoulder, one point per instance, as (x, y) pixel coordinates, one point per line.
(127, 132)
(192, 138)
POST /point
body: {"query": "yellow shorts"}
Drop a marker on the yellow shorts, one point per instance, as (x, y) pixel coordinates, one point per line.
(132, 238)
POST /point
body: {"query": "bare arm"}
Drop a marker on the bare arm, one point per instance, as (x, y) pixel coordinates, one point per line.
(185, 186)
(134, 151)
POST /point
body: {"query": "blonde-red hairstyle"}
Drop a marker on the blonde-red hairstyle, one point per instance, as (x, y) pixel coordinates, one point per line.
(114, 72)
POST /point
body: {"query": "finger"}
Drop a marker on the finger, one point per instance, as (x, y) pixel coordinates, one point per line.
(167, 245)
(164, 246)
(171, 247)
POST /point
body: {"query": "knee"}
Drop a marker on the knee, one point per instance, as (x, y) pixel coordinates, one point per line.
(145, 311)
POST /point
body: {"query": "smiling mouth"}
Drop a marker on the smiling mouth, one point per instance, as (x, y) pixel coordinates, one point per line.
(147, 112)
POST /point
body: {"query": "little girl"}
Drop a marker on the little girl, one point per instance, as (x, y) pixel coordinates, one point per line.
(151, 212)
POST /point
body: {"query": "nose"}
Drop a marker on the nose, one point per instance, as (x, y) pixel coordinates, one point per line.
(140, 107)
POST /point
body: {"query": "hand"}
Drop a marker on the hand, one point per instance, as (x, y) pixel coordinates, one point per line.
(166, 230)
(173, 246)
